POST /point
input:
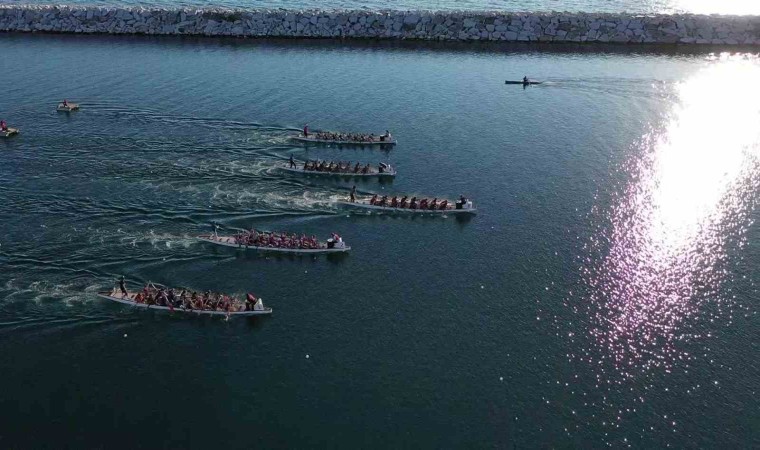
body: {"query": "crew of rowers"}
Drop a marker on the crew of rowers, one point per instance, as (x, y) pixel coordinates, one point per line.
(346, 137)
(254, 238)
(413, 203)
(405, 203)
(190, 300)
(340, 167)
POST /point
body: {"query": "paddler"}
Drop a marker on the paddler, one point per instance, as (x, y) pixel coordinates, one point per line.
(65, 103)
(352, 194)
(525, 80)
(3, 125)
(306, 130)
(292, 162)
(122, 286)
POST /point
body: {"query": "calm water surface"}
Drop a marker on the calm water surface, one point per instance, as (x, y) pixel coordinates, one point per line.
(643, 6)
(604, 294)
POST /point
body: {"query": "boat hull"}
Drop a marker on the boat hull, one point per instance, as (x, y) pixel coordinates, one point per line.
(522, 82)
(9, 132)
(391, 173)
(388, 209)
(69, 108)
(129, 300)
(330, 142)
(227, 241)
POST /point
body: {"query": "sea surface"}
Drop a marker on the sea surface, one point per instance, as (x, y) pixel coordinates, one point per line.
(740, 7)
(605, 294)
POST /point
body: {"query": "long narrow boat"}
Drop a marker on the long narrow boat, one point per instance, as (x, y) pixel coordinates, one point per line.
(114, 295)
(68, 107)
(9, 132)
(231, 241)
(467, 208)
(391, 172)
(529, 82)
(379, 140)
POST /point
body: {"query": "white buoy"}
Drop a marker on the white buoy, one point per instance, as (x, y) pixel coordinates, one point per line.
(125, 334)
(307, 356)
(501, 378)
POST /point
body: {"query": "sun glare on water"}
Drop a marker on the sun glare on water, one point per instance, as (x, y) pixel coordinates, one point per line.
(661, 259)
(737, 7)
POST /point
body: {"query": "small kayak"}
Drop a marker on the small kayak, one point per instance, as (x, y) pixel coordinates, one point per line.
(68, 107)
(9, 132)
(530, 82)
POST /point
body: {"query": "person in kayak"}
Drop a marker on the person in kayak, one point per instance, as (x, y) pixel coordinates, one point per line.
(352, 194)
(292, 162)
(525, 80)
(122, 286)
(65, 103)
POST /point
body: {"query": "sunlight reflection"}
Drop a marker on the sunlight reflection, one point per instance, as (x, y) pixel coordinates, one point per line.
(664, 252)
(738, 7)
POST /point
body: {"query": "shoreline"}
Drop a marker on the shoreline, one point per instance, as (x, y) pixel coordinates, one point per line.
(387, 25)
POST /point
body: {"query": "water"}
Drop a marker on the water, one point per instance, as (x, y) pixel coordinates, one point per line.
(604, 294)
(613, 6)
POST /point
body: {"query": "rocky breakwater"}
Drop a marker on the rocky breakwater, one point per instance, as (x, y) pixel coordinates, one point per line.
(421, 25)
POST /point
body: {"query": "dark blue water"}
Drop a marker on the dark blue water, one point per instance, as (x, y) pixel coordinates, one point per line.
(603, 295)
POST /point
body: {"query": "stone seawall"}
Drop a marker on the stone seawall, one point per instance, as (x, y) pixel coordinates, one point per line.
(421, 25)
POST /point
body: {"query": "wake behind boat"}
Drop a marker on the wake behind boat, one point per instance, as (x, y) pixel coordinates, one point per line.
(413, 205)
(340, 138)
(185, 301)
(340, 169)
(278, 242)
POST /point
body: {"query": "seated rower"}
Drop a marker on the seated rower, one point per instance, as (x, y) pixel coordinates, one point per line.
(373, 200)
(394, 202)
(403, 203)
(434, 203)
(444, 205)
(3, 126)
(365, 170)
(357, 167)
(413, 203)
(383, 201)
(423, 203)
(65, 103)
